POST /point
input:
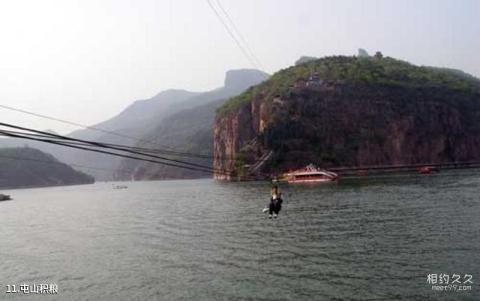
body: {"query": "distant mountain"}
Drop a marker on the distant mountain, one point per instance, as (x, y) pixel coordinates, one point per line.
(190, 130)
(36, 169)
(132, 122)
(140, 114)
(142, 120)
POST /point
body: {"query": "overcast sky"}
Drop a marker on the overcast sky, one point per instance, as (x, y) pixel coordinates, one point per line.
(85, 60)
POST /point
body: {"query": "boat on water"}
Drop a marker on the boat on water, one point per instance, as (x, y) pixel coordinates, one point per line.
(427, 169)
(5, 197)
(120, 186)
(310, 174)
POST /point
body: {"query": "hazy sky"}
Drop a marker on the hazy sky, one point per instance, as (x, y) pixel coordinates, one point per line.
(85, 60)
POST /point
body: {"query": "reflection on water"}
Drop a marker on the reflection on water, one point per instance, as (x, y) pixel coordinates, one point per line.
(360, 239)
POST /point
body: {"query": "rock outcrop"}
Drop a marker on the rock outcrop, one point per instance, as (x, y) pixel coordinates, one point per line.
(349, 112)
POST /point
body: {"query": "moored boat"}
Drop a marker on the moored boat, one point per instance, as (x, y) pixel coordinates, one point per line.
(5, 197)
(310, 174)
(427, 169)
(119, 186)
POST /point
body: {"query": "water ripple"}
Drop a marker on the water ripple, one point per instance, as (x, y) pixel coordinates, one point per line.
(201, 240)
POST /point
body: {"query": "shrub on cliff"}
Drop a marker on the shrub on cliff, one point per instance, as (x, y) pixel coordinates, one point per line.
(370, 71)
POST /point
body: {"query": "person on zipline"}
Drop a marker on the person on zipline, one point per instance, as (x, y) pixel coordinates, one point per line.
(275, 202)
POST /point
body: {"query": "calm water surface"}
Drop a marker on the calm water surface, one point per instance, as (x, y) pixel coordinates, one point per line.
(374, 239)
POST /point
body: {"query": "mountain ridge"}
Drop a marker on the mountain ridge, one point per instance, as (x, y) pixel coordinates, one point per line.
(189, 130)
(28, 167)
(138, 123)
(350, 111)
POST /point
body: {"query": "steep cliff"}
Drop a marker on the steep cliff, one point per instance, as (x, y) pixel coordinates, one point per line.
(349, 111)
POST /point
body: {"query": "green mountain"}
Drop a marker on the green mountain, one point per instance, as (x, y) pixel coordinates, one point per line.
(364, 71)
(29, 167)
(350, 111)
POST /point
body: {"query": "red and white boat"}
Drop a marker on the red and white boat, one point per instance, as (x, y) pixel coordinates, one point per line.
(310, 174)
(427, 169)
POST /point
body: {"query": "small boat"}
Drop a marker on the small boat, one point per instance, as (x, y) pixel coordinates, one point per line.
(5, 197)
(311, 174)
(427, 169)
(120, 186)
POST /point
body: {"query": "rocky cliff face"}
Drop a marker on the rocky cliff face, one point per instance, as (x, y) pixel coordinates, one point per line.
(336, 122)
(230, 134)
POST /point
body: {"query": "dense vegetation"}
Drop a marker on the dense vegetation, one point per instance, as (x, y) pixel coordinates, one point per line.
(364, 70)
(29, 167)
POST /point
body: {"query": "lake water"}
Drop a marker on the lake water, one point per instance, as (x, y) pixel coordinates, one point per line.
(364, 239)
